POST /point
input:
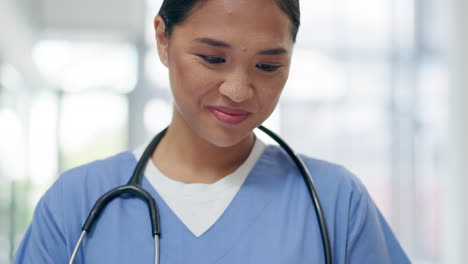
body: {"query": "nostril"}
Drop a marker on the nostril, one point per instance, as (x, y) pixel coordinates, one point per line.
(237, 95)
(238, 92)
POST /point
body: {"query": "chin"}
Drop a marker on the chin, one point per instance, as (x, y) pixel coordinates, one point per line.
(224, 138)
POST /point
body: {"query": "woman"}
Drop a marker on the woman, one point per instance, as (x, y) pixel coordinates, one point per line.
(223, 195)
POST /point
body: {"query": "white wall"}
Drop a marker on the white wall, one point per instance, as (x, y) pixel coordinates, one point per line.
(456, 218)
(16, 42)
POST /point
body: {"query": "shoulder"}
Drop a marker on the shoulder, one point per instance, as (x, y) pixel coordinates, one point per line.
(339, 190)
(337, 185)
(82, 185)
(62, 210)
(331, 175)
(108, 171)
(75, 190)
(326, 175)
(356, 225)
(94, 175)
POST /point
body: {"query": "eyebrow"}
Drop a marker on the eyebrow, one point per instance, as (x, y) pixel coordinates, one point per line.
(273, 51)
(213, 42)
(222, 44)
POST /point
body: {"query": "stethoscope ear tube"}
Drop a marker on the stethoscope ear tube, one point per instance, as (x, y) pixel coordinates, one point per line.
(133, 187)
(108, 197)
(145, 157)
(116, 192)
(312, 191)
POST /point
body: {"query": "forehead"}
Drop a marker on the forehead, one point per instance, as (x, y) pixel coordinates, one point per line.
(237, 21)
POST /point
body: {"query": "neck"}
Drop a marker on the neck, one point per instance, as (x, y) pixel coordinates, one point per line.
(184, 156)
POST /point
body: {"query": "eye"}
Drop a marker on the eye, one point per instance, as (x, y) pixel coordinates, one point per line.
(267, 67)
(212, 59)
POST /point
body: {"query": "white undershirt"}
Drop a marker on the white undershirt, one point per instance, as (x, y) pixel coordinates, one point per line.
(199, 205)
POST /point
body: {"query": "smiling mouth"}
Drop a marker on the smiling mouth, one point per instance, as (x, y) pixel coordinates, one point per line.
(229, 116)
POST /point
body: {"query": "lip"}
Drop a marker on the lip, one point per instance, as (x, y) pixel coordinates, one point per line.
(229, 116)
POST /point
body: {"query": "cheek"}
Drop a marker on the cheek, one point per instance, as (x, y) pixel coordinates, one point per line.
(184, 77)
(271, 92)
(190, 82)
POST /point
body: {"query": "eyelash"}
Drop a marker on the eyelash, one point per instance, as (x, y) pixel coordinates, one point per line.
(268, 67)
(212, 59)
(219, 60)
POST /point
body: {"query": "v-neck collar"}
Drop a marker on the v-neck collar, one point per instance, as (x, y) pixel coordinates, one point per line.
(189, 201)
(255, 194)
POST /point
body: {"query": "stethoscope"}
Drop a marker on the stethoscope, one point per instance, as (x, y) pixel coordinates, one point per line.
(134, 187)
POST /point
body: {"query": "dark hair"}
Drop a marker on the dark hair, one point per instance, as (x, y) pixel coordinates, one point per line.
(175, 12)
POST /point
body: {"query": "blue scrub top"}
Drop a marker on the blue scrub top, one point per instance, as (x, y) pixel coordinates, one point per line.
(270, 220)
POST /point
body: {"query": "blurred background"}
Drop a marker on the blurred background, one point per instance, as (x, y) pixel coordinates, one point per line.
(376, 85)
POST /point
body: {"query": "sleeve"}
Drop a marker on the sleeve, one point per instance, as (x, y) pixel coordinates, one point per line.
(44, 240)
(370, 239)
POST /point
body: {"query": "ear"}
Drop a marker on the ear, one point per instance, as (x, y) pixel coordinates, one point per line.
(162, 40)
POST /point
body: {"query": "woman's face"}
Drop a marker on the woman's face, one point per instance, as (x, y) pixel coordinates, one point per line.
(228, 63)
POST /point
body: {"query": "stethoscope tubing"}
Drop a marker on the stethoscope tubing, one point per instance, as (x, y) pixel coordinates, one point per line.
(312, 191)
(134, 187)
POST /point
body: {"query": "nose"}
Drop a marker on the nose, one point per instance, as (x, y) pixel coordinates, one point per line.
(237, 87)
